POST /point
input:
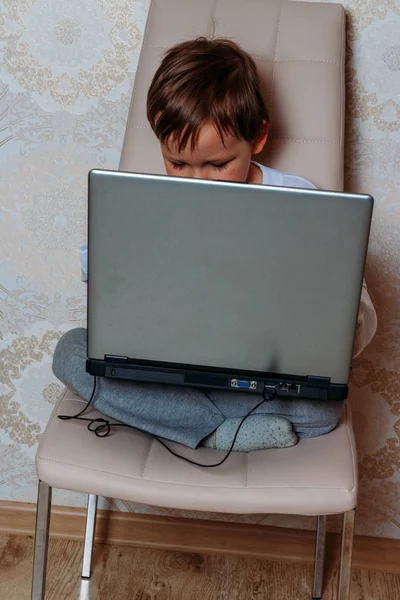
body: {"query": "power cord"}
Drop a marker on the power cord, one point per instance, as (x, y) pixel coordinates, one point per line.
(102, 427)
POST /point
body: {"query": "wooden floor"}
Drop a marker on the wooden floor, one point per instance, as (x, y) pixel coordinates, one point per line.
(122, 573)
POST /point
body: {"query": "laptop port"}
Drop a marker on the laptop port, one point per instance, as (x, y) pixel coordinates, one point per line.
(289, 388)
(244, 385)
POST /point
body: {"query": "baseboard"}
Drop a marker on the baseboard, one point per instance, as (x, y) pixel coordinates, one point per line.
(195, 535)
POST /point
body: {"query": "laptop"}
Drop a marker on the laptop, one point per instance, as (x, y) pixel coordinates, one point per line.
(224, 285)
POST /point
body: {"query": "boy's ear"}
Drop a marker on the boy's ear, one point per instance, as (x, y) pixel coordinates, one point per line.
(259, 144)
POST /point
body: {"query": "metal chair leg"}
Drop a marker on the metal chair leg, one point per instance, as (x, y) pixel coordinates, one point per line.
(89, 536)
(319, 557)
(346, 555)
(41, 541)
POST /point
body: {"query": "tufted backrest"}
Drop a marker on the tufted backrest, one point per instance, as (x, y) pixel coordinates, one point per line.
(299, 48)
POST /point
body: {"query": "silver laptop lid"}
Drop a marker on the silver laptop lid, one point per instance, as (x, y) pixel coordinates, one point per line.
(225, 275)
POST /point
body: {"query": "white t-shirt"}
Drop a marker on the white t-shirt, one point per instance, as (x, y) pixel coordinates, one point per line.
(269, 177)
(282, 179)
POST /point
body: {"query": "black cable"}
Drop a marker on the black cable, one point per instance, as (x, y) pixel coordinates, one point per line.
(218, 464)
(68, 417)
(102, 427)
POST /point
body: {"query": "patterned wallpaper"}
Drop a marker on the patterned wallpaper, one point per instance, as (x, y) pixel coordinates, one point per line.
(67, 70)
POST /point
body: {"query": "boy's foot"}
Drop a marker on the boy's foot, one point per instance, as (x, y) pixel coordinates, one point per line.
(258, 432)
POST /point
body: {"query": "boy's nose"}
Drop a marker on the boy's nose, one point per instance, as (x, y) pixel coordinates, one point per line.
(202, 173)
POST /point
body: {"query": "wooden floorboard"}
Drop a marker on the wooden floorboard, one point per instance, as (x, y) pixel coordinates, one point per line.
(122, 573)
(200, 536)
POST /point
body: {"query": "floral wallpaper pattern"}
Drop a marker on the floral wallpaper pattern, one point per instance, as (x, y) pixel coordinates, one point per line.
(67, 70)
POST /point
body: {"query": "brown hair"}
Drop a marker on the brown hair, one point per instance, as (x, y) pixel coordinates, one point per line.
(202, 81)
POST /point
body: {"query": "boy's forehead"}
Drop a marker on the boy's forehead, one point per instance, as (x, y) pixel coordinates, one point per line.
(209, 143)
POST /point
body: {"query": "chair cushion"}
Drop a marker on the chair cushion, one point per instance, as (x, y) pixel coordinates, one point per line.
(318, 476)
(299, 48)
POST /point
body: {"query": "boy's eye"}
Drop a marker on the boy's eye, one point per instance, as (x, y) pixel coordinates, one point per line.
(220, 166)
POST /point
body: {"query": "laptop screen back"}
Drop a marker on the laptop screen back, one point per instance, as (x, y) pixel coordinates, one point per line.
(225, 275)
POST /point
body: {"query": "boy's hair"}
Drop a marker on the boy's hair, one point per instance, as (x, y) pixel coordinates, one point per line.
(202, 81)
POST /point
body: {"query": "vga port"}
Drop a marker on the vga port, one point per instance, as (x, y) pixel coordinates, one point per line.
(243, 384)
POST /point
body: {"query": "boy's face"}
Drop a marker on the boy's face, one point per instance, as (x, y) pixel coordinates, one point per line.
(228, 159)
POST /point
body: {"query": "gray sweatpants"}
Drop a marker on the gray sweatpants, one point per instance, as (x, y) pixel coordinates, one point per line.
(180, 414)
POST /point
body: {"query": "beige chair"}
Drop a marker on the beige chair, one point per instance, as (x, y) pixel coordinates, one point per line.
(299, 48)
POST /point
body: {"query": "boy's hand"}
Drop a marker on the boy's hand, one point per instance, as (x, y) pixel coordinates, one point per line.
(367, 322)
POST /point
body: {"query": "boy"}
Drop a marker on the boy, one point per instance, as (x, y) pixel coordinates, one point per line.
(206, 108)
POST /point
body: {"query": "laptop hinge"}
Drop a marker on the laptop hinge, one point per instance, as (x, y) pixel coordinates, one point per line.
(116, 358)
